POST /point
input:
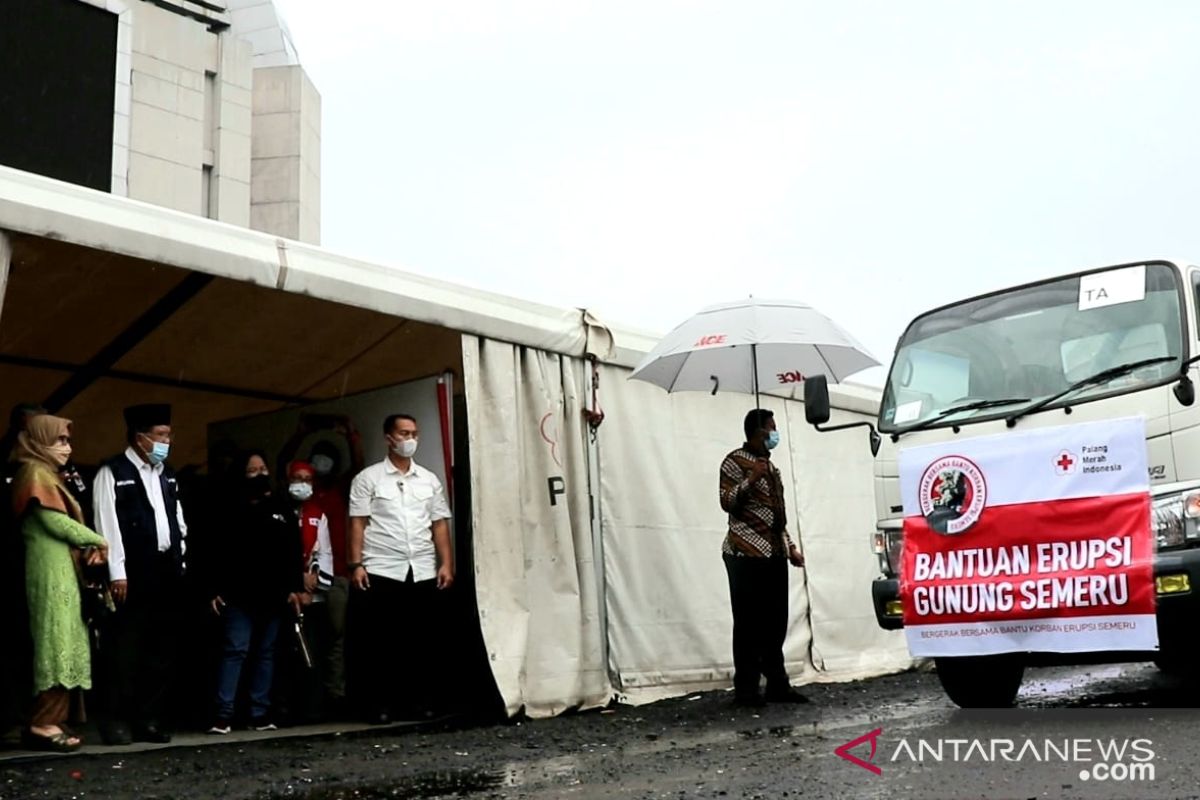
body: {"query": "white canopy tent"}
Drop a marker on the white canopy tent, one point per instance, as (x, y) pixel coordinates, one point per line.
(596, 553)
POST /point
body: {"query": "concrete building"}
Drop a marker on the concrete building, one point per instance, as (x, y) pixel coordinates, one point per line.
(211, 111)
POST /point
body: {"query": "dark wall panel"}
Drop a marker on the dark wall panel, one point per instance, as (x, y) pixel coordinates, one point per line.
(58, 61)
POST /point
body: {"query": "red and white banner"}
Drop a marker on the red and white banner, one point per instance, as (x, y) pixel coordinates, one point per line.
(1031, 541)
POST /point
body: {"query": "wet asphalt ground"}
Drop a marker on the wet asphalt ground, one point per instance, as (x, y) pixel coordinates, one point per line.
(1061, 742)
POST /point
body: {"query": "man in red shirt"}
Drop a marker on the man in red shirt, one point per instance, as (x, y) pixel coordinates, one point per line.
(307, 693)
(331, 491)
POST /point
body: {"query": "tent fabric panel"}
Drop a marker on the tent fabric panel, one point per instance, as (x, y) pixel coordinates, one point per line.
(42, 207)
(65, 303)
(271, 340)
(357, 283)
(593, 687)
(407, 349)
(669, 621)
(536, 593)
(236, 337)
(834, 508)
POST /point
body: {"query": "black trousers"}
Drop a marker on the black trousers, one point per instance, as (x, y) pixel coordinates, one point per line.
(298, 694)
(138, 651)
(392, 642)
(758, 592)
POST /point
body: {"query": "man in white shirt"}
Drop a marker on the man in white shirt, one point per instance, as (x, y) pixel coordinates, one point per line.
(399, 557)
(137, 510)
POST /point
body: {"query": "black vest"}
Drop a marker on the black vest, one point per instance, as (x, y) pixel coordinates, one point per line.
(139, 531)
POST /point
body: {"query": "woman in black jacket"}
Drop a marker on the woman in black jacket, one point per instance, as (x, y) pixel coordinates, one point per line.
(255, 580)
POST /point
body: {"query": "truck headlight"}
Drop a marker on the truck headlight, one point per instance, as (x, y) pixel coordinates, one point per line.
(1175, 519)
(889, 547)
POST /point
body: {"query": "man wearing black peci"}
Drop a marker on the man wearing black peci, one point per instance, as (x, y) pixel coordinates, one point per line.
(137, 510)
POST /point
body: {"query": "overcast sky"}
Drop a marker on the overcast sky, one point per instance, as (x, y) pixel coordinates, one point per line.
(644, 159)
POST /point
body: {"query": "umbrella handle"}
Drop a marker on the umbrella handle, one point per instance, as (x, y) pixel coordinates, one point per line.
(716, 384)
(754, 373)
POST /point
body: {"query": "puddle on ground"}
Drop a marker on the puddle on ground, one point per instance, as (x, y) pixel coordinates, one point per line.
(432, 784)
(778, 732)
(443, 783)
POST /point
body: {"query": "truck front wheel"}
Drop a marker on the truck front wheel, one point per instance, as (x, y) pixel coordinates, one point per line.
(981, 681)
(1175, 666)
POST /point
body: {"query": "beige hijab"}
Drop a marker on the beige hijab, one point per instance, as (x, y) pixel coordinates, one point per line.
(39, 479)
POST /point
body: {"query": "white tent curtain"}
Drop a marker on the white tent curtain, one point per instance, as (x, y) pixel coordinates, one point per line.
(535, 576)
(669, 623)
(666, 596)
(835, 507)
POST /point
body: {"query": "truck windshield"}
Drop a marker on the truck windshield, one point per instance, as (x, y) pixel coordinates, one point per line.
(989, 356)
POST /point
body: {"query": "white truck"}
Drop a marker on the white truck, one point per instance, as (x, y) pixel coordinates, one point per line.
(1105, 344)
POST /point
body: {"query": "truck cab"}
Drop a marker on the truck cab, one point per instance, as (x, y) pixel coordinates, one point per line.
(1105, 344)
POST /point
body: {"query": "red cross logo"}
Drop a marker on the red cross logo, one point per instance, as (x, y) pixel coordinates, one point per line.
(1065, 463)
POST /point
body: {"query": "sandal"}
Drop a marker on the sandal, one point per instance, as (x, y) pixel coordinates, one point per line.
(56, 743)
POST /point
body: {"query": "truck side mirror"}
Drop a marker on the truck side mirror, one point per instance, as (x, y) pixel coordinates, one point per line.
(816, 411)
(1185, 390)
(816, 399)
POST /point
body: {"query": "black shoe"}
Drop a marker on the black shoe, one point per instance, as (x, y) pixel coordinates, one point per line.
(115, 733)
(151, 733)
(788, 695)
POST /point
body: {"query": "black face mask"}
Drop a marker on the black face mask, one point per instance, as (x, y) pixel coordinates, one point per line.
(257, 487)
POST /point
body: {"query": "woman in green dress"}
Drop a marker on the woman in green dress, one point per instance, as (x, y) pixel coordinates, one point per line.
(53, 529)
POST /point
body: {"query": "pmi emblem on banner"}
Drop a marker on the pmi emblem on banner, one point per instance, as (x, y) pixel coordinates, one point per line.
(953, 494)
(1066, 463)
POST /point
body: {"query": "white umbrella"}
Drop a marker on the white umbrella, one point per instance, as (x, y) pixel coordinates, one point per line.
(752, 346)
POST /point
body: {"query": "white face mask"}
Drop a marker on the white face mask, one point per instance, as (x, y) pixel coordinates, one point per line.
(61, 453)
(158, 451)
(322, 464)
(405, 448)
(300, 490)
